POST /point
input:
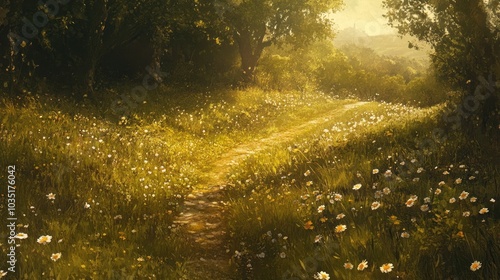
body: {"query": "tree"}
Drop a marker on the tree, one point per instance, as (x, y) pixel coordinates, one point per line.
(200, 48)
(465, 36)
(107, 24)
(70, 38)
(10, 16)
(257, 24)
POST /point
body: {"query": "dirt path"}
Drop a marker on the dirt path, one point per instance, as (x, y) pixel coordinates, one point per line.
(203, 209)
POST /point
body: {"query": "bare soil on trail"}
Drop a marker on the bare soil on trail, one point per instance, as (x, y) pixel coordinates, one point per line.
(201, 218)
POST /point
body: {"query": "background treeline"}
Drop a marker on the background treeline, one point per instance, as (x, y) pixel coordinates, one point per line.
(84, 42)
(279, 44)
(350, 71)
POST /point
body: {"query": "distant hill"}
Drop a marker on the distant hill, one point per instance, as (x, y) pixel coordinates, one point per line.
(386, 44)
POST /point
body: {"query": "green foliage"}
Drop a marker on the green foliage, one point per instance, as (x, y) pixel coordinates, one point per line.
(426, 90)
(200, 47)
(367, 75)
(257, 24)
(77, 35)
(464, 35)
(466, 42)
(284, 68)
(349, 72)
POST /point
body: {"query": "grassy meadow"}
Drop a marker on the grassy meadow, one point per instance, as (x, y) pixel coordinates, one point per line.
(107, 188)
(97, 194)
(363, 200)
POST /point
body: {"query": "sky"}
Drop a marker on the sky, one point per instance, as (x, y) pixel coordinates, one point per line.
(365, 15)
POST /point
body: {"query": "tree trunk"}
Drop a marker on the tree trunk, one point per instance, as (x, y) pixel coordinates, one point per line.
(486, 57)
(88, 73)
(11, 59)
(250, 53)
(158, 43)
(94, 48)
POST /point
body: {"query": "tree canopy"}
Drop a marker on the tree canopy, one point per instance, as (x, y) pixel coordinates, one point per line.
(71, 38)
(465, 34)
(257, 24)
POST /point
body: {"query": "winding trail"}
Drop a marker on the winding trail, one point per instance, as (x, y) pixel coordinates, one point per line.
(202, 215)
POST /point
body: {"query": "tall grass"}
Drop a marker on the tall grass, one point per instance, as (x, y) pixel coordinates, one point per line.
(106, 194)
(107, 188)
(362, 190)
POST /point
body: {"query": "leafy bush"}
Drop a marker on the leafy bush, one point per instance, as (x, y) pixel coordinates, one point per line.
(426, 91)
(349, 71)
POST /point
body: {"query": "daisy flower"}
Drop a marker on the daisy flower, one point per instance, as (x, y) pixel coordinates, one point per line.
(322, 276)
(44, 239)
(484, 211)
(357, 187)
(386, 267)
(424, 207)
(340, 228)
(21, 236)
(475, 265)
(463, 195)
(55, 256)
(375, 205)
(410, 202)
(388, 173)
(362, 265)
